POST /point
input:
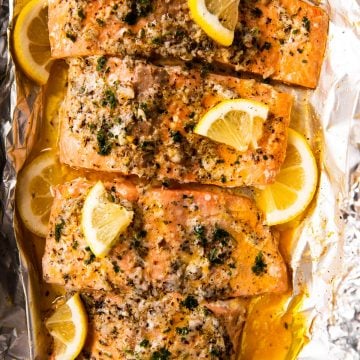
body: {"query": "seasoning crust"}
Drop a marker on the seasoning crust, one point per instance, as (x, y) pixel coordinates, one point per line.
(134, 118)
(281, 39)
(208, 243)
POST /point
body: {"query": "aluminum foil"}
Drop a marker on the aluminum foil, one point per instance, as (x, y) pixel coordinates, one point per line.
(14, 343)
(325, 258)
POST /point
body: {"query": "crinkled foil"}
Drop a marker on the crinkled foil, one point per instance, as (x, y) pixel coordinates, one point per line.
(326, 256)
(14, 343)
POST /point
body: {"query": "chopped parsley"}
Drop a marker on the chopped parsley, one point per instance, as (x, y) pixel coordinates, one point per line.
(221, 235)
(75, 245)
(158, 40)
(58, 230)
(199, 231)
(259, 268)
(116, 267)
(70, 36)
(81, 14)
(182, 331)
(91, 256)
(213, 257)
(144, 343)
(190, 302)
(101, 22)
(162, 354)
(101, 61)
(306, 23)
(220, 247)
(138, 8)
(176, 136)
(138, 245)
(189, 127)
(103, 142)
(109, 99)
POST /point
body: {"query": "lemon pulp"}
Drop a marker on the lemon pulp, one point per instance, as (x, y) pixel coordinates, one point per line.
(31, 46)
(218, 18)
(68, 326)
(294, 186)
(103, 220)
(237, 123)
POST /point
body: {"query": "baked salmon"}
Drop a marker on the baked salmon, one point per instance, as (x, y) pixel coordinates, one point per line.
(204, 241)
(173, 327)
(281, 39)
(134, 118)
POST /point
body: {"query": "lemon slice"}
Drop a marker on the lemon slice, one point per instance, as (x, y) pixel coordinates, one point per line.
(31, 41)
(294, 186)
(68, 326)
(33, 196)
(103, 220)
(218, 18)
(238, 123)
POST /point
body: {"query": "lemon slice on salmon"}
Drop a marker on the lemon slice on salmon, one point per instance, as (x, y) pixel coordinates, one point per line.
(294, 186)
(218, 18)
(237, 123)
(31, 41)
(68, 326)
(33, 196)
(103, 220)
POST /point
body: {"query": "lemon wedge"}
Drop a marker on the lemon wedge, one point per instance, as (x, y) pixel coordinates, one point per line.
(31, 41)
(294, 186)
(103, 220)
(237, 123)
(68, 326)
(33, 196)
(218, 18)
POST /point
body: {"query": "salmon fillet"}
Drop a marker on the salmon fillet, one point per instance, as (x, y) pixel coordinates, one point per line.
(281, 39)
(174, 326)
(206, 242)
(134, 118)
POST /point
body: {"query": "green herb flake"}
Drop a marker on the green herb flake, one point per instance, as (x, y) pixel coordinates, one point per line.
(81, 14)
(162, 354)
(91, 258)
(190, 302)
(101, 22)
(144, 343)
(182, 331)
(70, 36)
(101, 62)
(199, 230)
(306, 23)
(116, 267)
(158, 40)
(189, 127)
(75, 245)
(221, 235)
(259, 267)
(58, 230)
(138, 8)
(109, 99)
(103, 143)
(176, 136)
